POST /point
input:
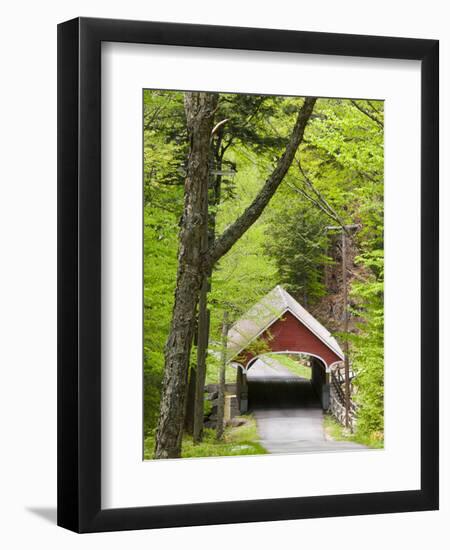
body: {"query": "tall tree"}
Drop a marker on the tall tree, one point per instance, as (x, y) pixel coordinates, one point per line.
(199, 108)
(193, 262)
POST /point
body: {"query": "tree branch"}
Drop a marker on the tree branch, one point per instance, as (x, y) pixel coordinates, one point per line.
(315, 202)
(235, 231)
(373, 106)
(328, 209)
(367, 113)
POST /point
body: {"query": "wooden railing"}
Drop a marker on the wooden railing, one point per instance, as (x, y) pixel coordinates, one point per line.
(337, 398)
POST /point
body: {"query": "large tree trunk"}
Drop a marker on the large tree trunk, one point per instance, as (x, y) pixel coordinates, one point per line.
(199, 108)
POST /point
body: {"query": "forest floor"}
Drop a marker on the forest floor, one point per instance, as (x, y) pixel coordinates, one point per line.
(237, 441)
(337, 432)
(240, 440)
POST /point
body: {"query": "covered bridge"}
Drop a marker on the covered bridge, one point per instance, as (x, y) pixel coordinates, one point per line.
(279, 324)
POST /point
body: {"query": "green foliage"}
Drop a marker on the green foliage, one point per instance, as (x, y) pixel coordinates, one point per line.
(165, 150)
(337, 432)
(213, 366)
(345, 160)
(296, 238)
(237, 441)
(246, 273)
(260, 346)
(160, 246)
(368, 359)
(342, 157)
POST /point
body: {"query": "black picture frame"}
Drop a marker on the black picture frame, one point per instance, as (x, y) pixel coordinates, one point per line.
(79, 274)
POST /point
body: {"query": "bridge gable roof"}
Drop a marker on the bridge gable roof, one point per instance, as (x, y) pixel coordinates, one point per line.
(266, 312)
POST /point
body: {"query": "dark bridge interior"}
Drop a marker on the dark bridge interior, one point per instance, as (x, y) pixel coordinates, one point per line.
(285, 393)
(281, 389)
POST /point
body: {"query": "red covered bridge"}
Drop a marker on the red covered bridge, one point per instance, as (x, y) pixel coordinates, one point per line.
(279, 324)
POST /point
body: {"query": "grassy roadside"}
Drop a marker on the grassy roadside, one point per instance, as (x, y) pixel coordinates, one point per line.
(237, 441)
(335, 431)
(291, 364)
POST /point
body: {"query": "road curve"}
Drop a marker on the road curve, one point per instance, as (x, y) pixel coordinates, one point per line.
(287, 411)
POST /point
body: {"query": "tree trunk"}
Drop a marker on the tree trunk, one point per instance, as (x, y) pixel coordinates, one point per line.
(222, 377)
(202, 347)
(199, 109)
(190, 398)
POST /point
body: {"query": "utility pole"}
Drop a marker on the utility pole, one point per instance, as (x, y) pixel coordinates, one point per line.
(344, 229)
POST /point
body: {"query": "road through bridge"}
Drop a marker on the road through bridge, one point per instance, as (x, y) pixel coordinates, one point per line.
(288, 412)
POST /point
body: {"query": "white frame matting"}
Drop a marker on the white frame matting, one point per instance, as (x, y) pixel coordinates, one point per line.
(127, 480)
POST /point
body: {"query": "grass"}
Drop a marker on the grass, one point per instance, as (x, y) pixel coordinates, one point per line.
(294, 365)
(335, 431)
(237, 441)
(290, 362)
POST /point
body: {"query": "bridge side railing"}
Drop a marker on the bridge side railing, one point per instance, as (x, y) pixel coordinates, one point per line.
(337, 399)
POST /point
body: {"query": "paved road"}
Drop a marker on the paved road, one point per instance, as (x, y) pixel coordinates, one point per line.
(288, 412)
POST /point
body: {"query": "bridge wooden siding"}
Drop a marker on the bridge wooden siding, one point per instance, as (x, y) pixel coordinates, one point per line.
(289, 334)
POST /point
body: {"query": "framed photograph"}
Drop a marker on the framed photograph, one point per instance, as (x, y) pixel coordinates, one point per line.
(248, 275)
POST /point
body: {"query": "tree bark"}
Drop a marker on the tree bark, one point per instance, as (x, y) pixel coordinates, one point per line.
(202, 348)
(190, 402)
(203, 312)
(199, 109)
(223, 244)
